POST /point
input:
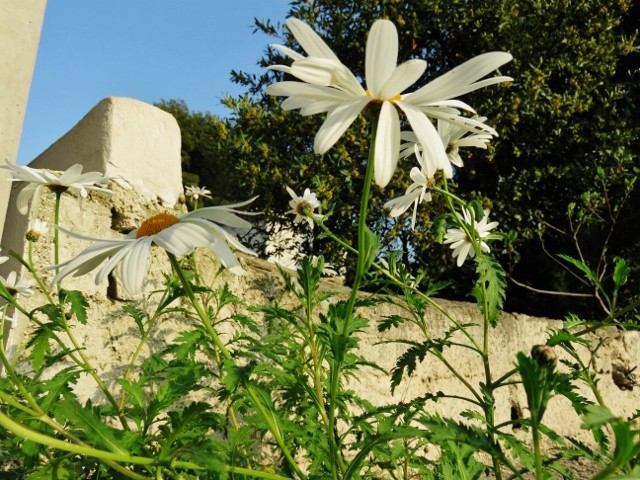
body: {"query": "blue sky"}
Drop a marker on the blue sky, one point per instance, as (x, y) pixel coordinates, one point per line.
(145, 49)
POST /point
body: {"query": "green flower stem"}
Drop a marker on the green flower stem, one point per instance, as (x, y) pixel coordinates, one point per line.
(336, 364)
(145, 337)
(273, 427)
(315, 357)
(56, 223)
(88, 368)
(460, 377)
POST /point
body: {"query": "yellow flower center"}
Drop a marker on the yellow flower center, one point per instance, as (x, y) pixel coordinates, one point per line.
(395, 98)
(156, 224)
(304, 208)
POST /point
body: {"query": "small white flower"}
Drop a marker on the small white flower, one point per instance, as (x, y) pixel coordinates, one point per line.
(418, 191)
(177, 234)
(3, 259)
(327, 268)
(72, 179)
(194, 192)
(36, 229)
(17, 287)
(328, 86)
(459, 240)
(303, 207)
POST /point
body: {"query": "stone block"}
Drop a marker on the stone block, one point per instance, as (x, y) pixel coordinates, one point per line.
(128, 139)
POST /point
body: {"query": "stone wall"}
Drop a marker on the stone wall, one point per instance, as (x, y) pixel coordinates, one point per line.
(110, 336)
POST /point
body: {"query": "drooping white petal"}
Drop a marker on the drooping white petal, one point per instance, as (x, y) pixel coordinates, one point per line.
(381, 55)
(134, 265)
(117, 256)
(427, 135)
(387, 145)
(22, 202)
(337, 122)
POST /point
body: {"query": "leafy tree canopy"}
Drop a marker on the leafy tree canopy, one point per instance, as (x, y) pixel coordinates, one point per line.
(559, 179)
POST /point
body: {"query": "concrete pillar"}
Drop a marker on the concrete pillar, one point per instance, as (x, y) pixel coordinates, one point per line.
(20, 26)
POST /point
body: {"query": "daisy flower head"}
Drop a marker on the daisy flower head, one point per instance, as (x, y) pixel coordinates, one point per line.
(195, 192)
(303, 207)
(471, 234)
(36, 229)
(418, 191)
(328, 86)
(177, 234)
(72, 179)
(17, 287)
(453, 138)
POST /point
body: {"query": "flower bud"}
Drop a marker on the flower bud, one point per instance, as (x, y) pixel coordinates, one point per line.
(544, 355)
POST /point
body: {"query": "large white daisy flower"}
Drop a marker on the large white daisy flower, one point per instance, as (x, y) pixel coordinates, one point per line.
(460, 241)
(72, 179)
(177, 234)
(329, 86)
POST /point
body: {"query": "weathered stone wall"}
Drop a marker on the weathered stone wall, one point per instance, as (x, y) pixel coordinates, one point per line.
(110, 336)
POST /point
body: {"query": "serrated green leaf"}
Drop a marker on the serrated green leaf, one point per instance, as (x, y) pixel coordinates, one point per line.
(87, 420)
(490, 290)
(77, 302)
(621, 272)
(137, 315)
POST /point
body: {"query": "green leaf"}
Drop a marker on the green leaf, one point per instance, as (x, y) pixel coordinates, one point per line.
(621, 273)
(137, 315)
(371, 247)
(89, 421)
(78, 304)
(490, 290)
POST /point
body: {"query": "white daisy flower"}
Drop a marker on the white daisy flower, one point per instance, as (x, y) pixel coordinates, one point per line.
(17, 287)
(459, 240)
(303, 207)
(36, 229)
(72, 179)
(194, 192)
(418, 191)
(329, 86)
(178, 234)
(453, 138)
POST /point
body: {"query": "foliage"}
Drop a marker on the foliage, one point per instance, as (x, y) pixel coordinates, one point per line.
(560, 178)
(273, 398)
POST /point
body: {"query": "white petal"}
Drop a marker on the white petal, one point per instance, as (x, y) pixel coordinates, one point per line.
(427, 134)
(22, 202)
(459, 80)
(134, 266)
(70, 175)
(381, 55)
(310, 41)
(387, 144)
(337, 122)
(402, 77)
(183, 238)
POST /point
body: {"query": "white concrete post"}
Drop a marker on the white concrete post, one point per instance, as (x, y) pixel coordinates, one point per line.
(20, 26)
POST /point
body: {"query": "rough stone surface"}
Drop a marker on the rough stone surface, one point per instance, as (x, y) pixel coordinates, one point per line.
(127, 139)
(110, 337)
(20, 25)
